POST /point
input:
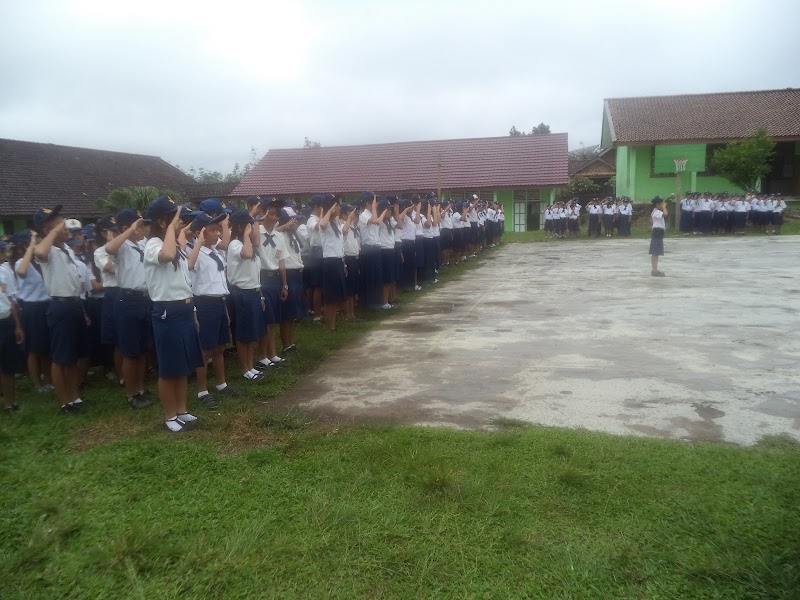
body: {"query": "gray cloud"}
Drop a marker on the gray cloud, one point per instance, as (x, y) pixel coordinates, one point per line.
(198, 83)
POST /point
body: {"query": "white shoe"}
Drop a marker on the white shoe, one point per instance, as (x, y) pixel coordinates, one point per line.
(435, 281)
(386, 306)
(417, 288)
(275, 360)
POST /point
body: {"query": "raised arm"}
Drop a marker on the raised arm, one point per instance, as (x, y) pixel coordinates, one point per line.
(22, 269)
(113, 246)
(42, 250)
(201, 239)
(170, 247)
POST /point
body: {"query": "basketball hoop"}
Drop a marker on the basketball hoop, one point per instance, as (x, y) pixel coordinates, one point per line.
(680, 164)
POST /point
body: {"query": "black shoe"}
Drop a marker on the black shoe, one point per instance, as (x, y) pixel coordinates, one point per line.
(12, 408)
(70, 410)
(657, 274)
(208, 401)
(229, 391)
(229, 351)
(148, 396)
(139, 400)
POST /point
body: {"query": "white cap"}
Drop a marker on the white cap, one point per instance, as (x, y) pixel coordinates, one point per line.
(290, 212)
(73, 224)
(475, 196)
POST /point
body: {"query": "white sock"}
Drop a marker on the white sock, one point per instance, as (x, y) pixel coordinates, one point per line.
(222, 386)
(266, 362)
(187, 417)
(77, 401)
(276, 359)
(252, 373)
(202, 394)
(173, 424)
(141, 391)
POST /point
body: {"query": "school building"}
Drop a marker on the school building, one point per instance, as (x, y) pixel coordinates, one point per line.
(35, 174)
(520, 172)
(648, 133)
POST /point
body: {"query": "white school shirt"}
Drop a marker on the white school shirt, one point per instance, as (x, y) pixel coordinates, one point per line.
(332, 244)
(31, 287)
(207, 278)
(686, 204)
(472, 215)
(60, 273)
(780, 206)
(703, 205)
(244, 273)
(626, 209)
(436, 229)
(351, 245)
(409, 230)
(130, 266)
(573, 214)
(292, 259)
(166, 282)
(609, 210)
(501, 216)
(268, 253)
(5, 297)
(419, 228)
(8, 274)
(398, 232)
(369, 231)
(314, 239)
(385, 236)
(101, 258)
(740, 206)
(87, 277)
(490, 214)
(447, 220)
(768, 205)
(658, 219)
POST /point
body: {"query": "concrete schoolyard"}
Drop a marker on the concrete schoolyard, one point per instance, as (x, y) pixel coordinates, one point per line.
(578, 334)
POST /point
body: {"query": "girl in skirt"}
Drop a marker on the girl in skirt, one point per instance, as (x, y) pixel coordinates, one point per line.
(210, 291)
(407, 226)
(105, 230)
(386, 241)
(174, 323)
(313, 268)
(351, 251)
(293, 308)
(245, 288)
(34, 301)
(333, 269)
(658, 216)
(274, 287)
(371, 274)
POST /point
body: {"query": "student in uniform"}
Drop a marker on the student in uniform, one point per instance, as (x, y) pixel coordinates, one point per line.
(386, 243)
(245, 286)
(407, 224)
(658, 217)
(687, 206)
(625, 217)
(172, 313)
(66, 318)
(11, 339)
(274, 287)
(739, 215)
(313, 263)
(210, 291)
(333, 269)
(369, 224)
(351, 252)
(293, 308)
(33, 301)
(446, 226)
(609, 210)
(106, 229)
(779, 205)
(99, 355)
(132, 311)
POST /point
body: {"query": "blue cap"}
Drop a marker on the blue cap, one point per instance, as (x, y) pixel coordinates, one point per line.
(88, 232)
(366, 197)
(214, 206)
(105, 223)
(161, 207)
(251, 200)
(270, 201)
(204, 219)
(129, 216)
(21, 238)
(316, 200)
(43, 215)
(242, 216)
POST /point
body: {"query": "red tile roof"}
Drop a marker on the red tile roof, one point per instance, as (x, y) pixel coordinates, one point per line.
(704, 117)
(475, 163)
(34, 174)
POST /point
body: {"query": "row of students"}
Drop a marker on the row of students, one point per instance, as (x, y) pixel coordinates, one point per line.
(706, 213)
(609, 214)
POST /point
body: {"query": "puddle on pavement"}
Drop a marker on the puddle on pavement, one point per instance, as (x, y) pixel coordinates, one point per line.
(707, 412)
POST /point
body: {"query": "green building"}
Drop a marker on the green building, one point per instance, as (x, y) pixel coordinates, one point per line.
(520, 172)
(649, 133)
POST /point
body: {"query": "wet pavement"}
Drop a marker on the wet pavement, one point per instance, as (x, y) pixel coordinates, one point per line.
(580, 335)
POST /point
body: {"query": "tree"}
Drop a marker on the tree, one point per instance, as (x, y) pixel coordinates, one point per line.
(744, 163)
(540, 129)
(515, 131)
(310, 144)
(585, 152)
(133, 197)
(201, 175)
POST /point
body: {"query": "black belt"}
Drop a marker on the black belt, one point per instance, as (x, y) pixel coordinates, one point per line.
(130, 292)
(173, 302)
(211, 298)
(65, 298)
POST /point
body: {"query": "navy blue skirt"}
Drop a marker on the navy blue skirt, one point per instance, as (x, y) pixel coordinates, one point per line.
(97, 352)
(333, 286)
(108, 325)
(419, 252)
(34, 324)
(212, 314)
(249, 325)
(12, 357)
(371, 277)
(351, 278)
(387, 265)
(428, 265)
(271, 290)
(176, 338)
(67, 327)
(133, 324)
(294, 307)
(313, 268)
(657, 242)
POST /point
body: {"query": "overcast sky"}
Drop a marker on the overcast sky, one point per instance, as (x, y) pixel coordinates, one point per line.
(198, 83)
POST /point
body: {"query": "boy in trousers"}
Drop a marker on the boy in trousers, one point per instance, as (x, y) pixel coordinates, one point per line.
(658, 216)
(66, 317)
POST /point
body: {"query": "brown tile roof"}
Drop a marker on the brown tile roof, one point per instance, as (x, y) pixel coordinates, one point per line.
(704, 117)
(496, 162)
(34, 174)
(605, 163)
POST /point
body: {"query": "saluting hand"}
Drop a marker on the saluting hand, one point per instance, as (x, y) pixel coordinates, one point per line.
(201, 237)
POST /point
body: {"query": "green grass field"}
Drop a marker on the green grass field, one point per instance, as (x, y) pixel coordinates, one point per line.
(261, 503)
